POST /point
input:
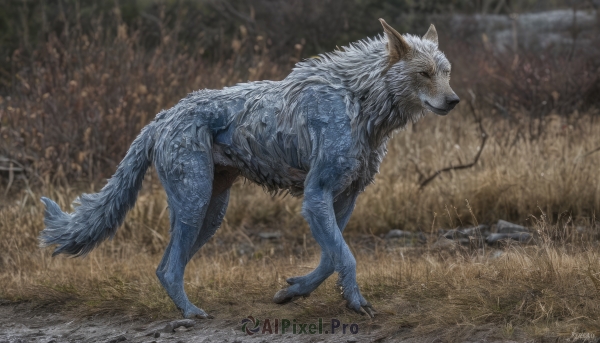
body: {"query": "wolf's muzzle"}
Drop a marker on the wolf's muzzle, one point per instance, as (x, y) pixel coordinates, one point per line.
(452, 101)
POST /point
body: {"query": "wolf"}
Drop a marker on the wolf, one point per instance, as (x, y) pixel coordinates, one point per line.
(320, 133)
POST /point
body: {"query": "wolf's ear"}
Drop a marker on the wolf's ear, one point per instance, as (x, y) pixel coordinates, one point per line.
(397, 45)
(431, 35)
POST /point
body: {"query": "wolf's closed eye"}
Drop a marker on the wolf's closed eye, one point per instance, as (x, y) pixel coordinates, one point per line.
(424, 74)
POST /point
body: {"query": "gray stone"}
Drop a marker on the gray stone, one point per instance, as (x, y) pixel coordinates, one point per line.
(398, 234)
(119, 338)
(496, 254)
(454, 234)
(405, 238)
(466, 236)
(459, 233)
(475, 231)
(170, 327)
(521, 237)
(506, 227)
(270, 235)
(444, 243)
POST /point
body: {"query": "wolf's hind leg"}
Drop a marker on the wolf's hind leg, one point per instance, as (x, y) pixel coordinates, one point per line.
(189, 188)
(216, 209)
(212, 221)
(214, 214)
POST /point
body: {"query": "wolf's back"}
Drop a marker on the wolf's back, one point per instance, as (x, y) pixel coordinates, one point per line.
(99, 215)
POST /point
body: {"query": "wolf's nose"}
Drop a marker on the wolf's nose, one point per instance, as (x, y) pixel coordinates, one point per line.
(452, 100)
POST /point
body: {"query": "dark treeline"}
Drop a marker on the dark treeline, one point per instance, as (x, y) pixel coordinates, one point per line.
(79, 79)
(209, 26)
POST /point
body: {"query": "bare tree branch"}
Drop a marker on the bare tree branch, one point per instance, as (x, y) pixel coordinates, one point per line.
(591, 152)
(484, 137)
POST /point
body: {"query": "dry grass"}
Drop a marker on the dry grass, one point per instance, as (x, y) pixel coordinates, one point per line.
(548, 289)
(77, 100)
(541, 290)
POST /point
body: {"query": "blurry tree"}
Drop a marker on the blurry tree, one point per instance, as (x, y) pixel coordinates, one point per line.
(284, 29)
(80, 78)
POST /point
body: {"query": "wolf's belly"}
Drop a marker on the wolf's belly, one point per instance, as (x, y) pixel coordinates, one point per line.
(274, 175)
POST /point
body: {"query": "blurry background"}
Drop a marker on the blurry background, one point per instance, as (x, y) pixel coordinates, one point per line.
(79, 79)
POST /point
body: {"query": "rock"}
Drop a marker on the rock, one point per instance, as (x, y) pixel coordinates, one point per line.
(463, 241)
(452, 234)
(521, 237)
(405, 238)
(188, 323)
(119, 338)
(398, 234)
(245, 248)
(505, 227)
(496, 254)
(466, 236)
(156, 334)
(475, 231)
(270, 235)
(444, 243)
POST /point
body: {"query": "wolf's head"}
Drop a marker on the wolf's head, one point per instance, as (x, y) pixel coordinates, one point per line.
(418, 72)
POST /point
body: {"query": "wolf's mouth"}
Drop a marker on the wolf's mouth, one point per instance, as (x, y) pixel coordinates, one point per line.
(438, 111)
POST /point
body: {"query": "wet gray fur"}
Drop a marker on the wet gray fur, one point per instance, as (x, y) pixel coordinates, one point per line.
(321, 133)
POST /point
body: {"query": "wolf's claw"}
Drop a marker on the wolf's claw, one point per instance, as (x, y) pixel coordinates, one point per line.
(282, 297)
(287, 295)
(366, 309)
(356, 302)
(296, 290)
(291, 293)
(194, 312)
(293, 280)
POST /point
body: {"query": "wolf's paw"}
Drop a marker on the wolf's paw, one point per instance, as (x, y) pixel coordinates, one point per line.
(357, 303)
(194, 312)
(297, 289)
(295, 280)
(288, 294)
(366, 309)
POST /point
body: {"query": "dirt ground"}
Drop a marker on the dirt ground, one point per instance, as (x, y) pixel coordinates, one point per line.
(21, 323)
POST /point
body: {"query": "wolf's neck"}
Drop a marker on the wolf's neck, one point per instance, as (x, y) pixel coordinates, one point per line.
(361, 68)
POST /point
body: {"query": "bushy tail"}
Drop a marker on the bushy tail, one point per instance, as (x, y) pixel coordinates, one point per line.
(98, 216)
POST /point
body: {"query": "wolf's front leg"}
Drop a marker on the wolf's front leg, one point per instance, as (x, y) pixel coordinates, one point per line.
(319, 211)
(302, 286)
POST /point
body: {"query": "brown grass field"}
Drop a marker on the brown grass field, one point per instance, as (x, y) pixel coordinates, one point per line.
(74, 104)
(550, 288)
